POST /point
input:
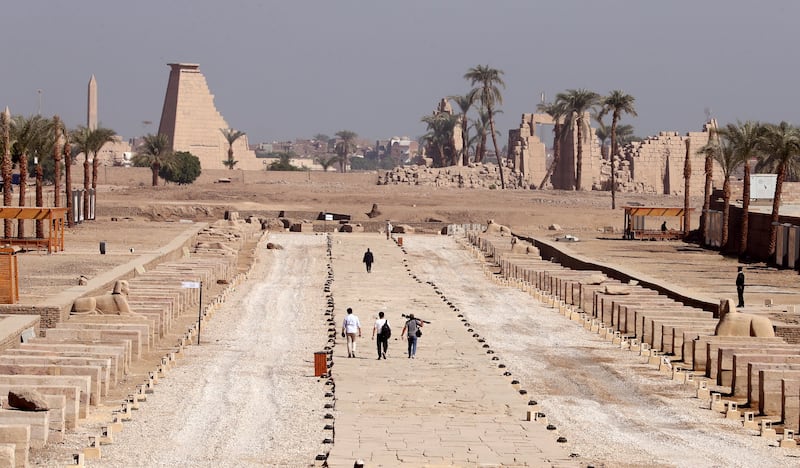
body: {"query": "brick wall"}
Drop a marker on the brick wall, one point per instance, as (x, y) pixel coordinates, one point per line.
(790, 333)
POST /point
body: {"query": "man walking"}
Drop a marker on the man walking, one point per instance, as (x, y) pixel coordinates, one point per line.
(368, 259)
(382, 337)
(388, 229)
(350, 327)
(412, 327)
(740, 287)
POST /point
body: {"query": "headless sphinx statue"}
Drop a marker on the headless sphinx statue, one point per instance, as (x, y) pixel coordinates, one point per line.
(734, 323)
(115, 303)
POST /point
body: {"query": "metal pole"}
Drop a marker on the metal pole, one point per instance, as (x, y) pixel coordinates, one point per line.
(199, 313)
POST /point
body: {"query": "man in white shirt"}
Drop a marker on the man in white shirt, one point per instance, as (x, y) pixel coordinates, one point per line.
(350, 327)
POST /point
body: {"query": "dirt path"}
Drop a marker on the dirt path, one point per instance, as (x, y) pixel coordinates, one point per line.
(611, 407)
(247, 395)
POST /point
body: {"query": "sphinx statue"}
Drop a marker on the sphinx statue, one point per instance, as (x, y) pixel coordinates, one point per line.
(735, 323)
(115, 303)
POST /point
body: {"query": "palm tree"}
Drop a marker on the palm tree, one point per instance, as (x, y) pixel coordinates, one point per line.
(69, 160)
(6, 168)
(440, 137)
(709, 173)
(603, 133)
(687, 182)
(28, 133)
(481, 126)
(231, 136)
(325, 161)
(89, 142)
(489, 82)
(576, 103)
(725, 154)
(154, 152)
(781, 147)
(556, 111)
(100, 136)
(464, 104)
(746, 141)
(344, 147)
(82, 137)
(59, 132)
(616, 103)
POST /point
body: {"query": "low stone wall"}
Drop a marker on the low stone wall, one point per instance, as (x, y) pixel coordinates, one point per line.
(473, 176)
(790, 333)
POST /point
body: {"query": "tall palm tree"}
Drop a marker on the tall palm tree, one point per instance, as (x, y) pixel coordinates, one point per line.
(153, 152)
(616, 103)
(69, 160)
(603, 133)
(58, 132)
(577, 102)
(231, 136)
(708, 170)
(82, 138)
(746, 139)
(440, 137)
(489, 81)
(781, 147)
(28, 134)
(100, 136)
(687, 183)
(481, 126)
(344, 147)
(464, 104)
(556, 111)
(6, 168)
(89, 142)
(725, 154)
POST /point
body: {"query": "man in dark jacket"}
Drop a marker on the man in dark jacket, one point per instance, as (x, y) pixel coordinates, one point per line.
(740, 287)
(368, 259)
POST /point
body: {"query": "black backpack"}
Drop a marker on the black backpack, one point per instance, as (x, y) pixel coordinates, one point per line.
(386, 330)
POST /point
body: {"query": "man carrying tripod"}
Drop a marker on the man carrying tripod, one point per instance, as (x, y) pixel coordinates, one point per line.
(413, 327)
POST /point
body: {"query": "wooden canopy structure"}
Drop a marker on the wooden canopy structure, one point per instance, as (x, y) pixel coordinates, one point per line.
(53, 238)
(635, 222)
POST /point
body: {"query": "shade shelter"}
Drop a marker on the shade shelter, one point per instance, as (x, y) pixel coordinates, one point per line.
(53, 239)
(636, 228)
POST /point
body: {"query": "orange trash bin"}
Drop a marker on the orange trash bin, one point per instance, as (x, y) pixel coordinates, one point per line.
(400, 241)
(320, 363)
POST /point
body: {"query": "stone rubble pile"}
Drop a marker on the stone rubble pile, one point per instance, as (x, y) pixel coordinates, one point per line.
(473, 176)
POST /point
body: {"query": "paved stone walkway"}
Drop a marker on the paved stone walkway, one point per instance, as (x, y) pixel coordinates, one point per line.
(450, 406)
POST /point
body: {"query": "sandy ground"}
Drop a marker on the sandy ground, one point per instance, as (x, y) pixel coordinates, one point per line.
(612, 408)
(245, 396)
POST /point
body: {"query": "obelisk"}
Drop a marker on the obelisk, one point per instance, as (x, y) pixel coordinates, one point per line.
(91, 113)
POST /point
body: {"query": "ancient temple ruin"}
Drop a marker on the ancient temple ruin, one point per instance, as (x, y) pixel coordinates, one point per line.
(192, 122)
(653, 165)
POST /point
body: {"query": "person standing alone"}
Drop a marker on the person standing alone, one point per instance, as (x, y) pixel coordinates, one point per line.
(379, 331)
(350, 327)
(740, 287)
(412, 327)
(368, 259)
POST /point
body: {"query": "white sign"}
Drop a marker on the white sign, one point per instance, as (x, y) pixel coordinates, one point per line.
(328, 217)
(762, 186)
(190, 284)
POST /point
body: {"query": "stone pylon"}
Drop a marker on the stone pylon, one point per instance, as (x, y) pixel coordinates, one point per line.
(91, 107)
(191, 122)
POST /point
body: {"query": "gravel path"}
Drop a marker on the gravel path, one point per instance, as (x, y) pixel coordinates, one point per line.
(611, 406)
(247, 395)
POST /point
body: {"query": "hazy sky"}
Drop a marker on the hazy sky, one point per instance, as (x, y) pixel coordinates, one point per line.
(288, 69)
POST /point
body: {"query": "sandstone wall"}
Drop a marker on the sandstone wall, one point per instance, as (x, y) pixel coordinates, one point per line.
(655, 165)
(473, 176)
